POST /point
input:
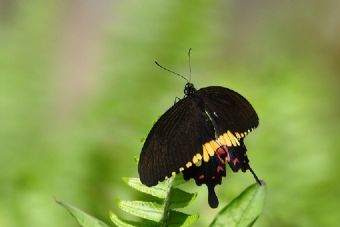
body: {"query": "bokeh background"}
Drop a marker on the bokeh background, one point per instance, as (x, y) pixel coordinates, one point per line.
(79, 91)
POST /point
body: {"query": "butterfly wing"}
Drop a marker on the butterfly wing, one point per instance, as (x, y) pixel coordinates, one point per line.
(228, 110)
(233, 118)
(175, 141)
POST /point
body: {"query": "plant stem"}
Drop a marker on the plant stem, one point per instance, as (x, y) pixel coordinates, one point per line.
(166, 213)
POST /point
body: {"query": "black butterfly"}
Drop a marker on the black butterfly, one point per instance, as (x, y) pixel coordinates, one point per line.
(197, 136)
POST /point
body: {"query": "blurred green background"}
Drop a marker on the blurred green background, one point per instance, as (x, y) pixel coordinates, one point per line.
(79, 90)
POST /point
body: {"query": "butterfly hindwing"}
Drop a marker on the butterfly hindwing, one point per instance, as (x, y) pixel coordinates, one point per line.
(174, 140)
(237, 157)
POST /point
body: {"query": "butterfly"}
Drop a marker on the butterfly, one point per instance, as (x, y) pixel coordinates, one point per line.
(198, 136)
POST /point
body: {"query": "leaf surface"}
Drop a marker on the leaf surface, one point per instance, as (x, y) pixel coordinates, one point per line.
(180, 198)
(244, 210)
(147, 210)
(123, 223)
(159, 191)
(83, 218)
(179, 219)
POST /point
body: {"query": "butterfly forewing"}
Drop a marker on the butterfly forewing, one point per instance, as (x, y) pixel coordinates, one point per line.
(228, 110)
(174, 140)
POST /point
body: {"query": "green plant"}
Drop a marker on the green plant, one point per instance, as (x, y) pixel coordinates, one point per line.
(243, 211)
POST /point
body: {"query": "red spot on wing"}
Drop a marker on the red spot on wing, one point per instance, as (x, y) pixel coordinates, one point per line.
(235, 161)
(220, 169)
(220, 151)
(228, 157)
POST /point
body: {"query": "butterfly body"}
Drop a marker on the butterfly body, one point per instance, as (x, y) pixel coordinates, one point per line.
(198, 136)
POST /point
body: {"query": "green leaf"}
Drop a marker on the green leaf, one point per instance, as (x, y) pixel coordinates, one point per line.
(82, 218)
(243, 210)
(147, 210)
(180, 198)
(123, 223)
(152, 214)
(159, 191)
(118, 222)
(178, 180)
(178, 219)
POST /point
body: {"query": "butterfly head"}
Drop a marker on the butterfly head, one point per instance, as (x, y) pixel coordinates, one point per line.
(189, 89)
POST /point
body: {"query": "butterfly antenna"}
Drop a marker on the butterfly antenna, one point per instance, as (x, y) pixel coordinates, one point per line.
(189, 56)
(171, 71)
(256, 178)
